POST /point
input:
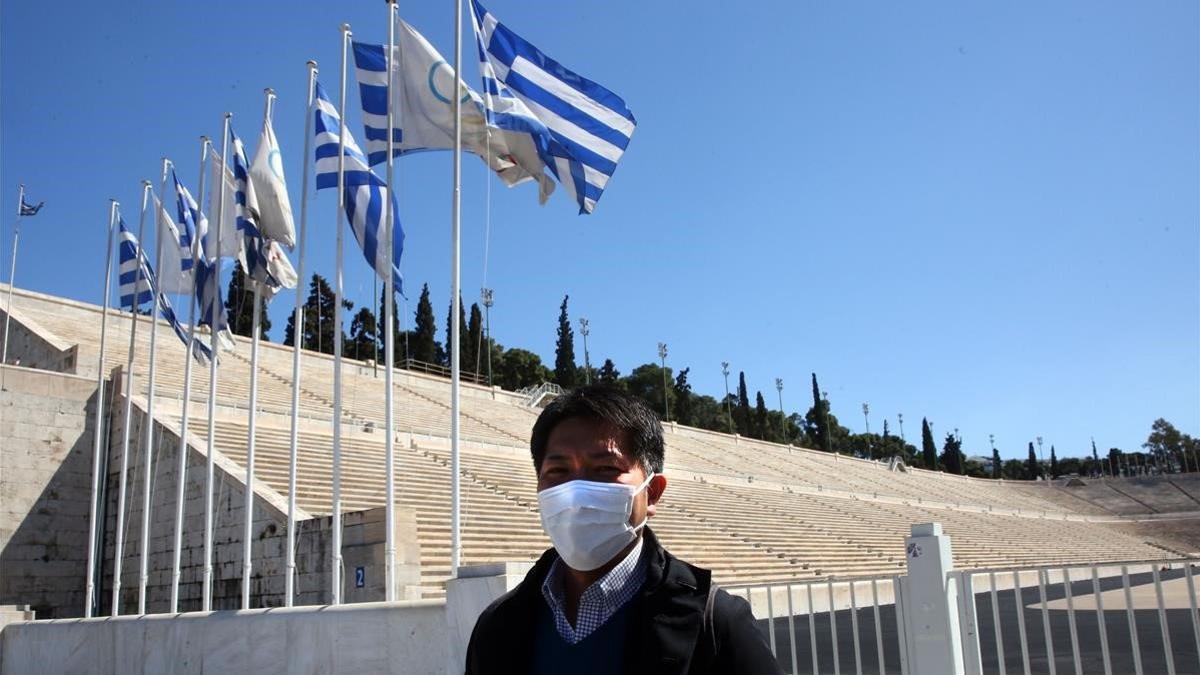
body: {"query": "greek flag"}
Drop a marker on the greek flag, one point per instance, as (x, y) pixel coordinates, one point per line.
(582, 129)
(134, 263)
(28, 209)
(175, 273)
(134, 278)
(260, 258)
(192, 221)
(208, 297)
(365, 193)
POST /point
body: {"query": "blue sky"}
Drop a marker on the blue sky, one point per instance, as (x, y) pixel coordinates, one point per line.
(989, 216)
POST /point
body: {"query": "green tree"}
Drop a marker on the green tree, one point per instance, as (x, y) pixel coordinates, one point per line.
(741, 418)
(1170, 446)
(462, 336)
(362, 343)
(762, 427)
(518, 368)
(474, 349)
(1014, 469)
(928, 447)
(566, 374)
(1114, 461)
(996, 463)
(646, 382)
(818, 419)
(239, 306)
(424, 340)
(1033, 470)
(609, 373)
(318, 332)
(400, 339)
(684, 409)
(952, 455)
(1054, 468)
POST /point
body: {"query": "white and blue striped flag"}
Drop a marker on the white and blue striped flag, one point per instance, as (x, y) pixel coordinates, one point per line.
(208, 298)
(262, 259)
(132, 276)
(582, 128)
(143, 275)
(175, 273)
(365, 193)
(423, 113)
(192, 221)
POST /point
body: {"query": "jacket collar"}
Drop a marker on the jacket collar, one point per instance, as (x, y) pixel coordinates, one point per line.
(667, 617)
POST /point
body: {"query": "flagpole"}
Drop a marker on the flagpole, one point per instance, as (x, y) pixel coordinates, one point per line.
(455, 519)
(214, 325)
(336, 566)
(256, 336)
(119, 549)
(181, 468)
(98, 422)
(297, 339)
(12, 270)
(389, 337)
(148, 425)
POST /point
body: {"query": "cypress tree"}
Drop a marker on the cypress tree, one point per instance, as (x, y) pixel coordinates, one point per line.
(742, 419)
(761, 424)
(566, 374)
(995, 463)
(1054, 472)
(473, 345)
(424, 342)
(1032, 470)
(928, 448)
(362, 342)
(952, 457)
(683, 408)
(821, 412)
(463, 361)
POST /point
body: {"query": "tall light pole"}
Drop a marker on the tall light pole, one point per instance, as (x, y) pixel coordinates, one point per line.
(825, 421)
(486, 296)
(662, 355)
(900, 418)
(782, 417)
(587, 363)
(867, 422)
(728, 409)
(1040, 457)
(995, 460)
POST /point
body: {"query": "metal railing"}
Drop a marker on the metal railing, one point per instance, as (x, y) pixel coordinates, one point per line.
(1124, 617)
(832, 625)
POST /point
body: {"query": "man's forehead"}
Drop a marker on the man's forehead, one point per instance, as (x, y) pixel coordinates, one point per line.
(585, 435)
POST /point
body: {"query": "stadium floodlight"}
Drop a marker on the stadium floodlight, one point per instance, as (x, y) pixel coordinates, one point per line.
(486, 295)
(900, 418)
(728, 408)
(867, 422)
(782, 417)
(1041, 458)
(587, 363)
(662, 355)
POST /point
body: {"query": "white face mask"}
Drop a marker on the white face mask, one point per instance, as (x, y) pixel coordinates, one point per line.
(588, 522)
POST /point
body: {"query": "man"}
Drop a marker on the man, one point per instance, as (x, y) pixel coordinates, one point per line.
(608, 598)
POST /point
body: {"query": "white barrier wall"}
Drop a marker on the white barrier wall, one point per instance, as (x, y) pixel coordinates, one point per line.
(403, 637)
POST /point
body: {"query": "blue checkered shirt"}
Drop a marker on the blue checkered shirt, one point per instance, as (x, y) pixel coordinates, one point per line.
(600, 601)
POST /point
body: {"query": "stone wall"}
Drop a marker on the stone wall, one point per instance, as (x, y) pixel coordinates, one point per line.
(45, 489)
(32, 346)
(363, 533)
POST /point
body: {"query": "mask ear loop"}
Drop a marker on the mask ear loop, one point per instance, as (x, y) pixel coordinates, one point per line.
(641, 487)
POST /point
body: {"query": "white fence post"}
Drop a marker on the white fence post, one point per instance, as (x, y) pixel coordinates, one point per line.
(931, 607)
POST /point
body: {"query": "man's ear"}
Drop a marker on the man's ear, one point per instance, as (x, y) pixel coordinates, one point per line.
(654, 492)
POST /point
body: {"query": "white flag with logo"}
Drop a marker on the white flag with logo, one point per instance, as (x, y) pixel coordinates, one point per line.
(274, 208)
(423, 112)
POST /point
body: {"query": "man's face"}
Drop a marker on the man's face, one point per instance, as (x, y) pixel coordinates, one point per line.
(582, 449)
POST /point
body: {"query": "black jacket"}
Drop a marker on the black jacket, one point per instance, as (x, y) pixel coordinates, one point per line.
(667, 632)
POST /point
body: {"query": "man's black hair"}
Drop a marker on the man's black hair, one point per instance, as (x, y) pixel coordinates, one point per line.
(640, 431)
